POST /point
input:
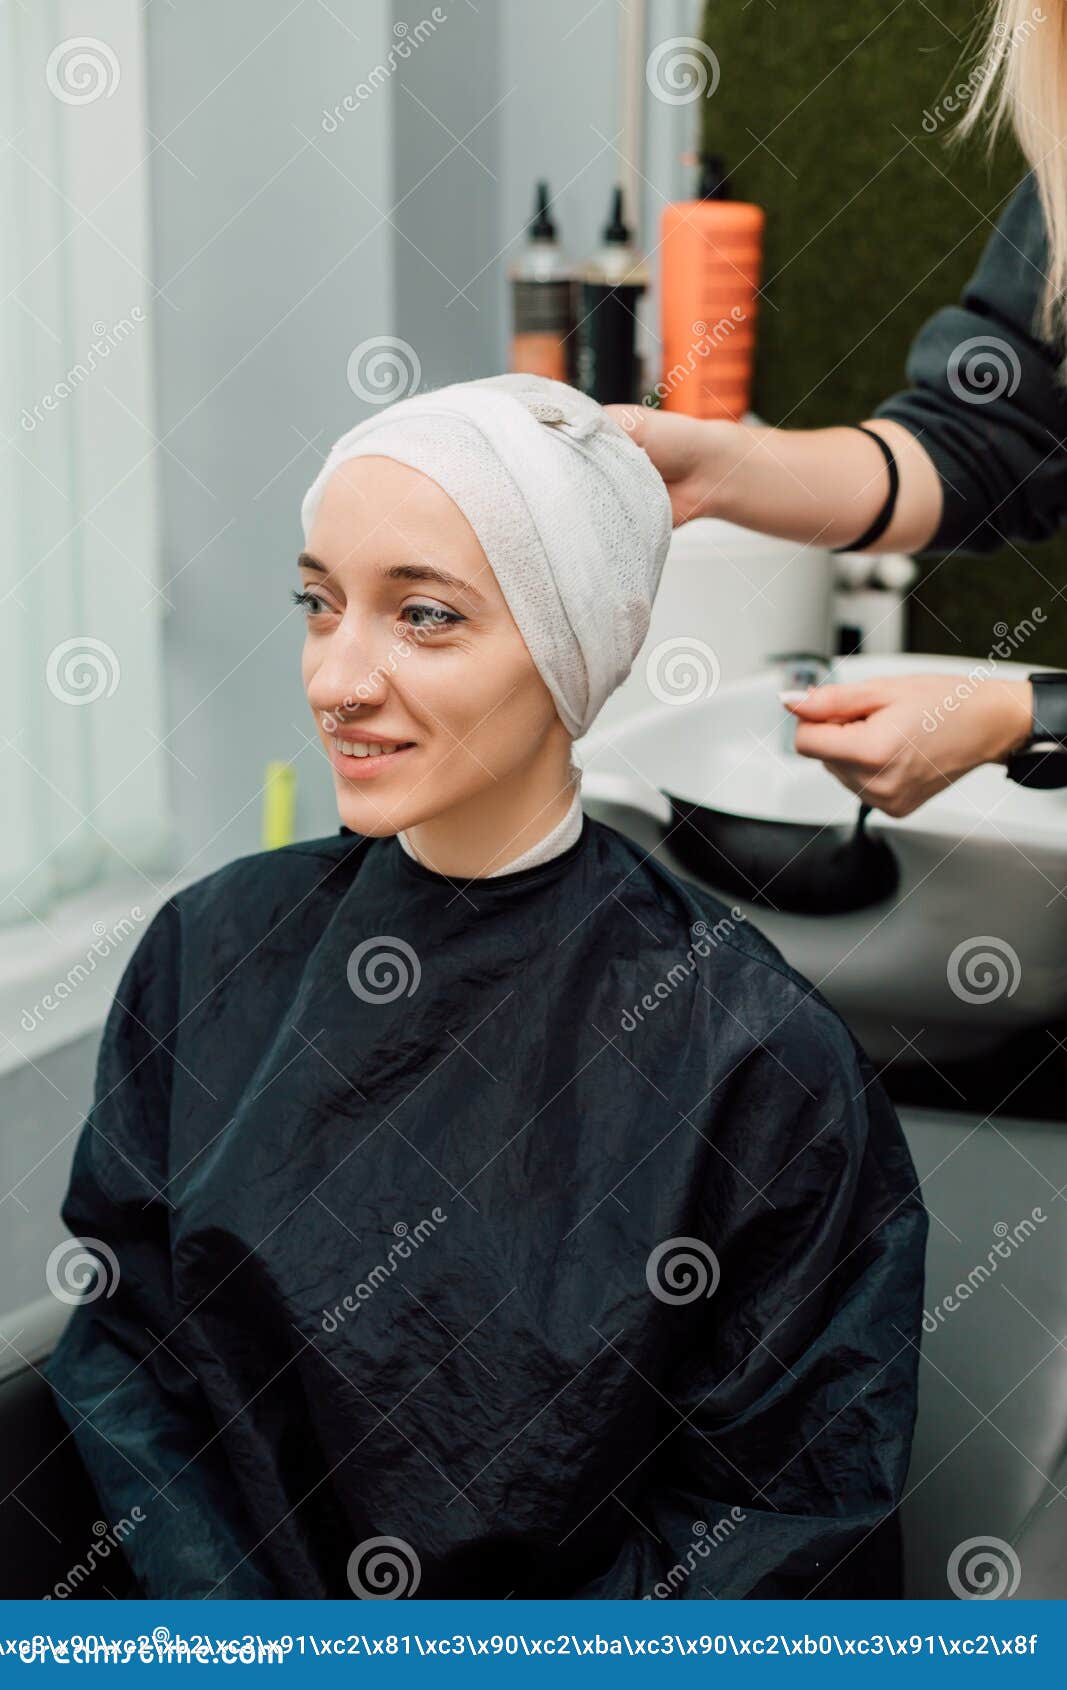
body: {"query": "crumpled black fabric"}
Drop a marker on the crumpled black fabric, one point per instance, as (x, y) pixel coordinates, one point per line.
(575, 1261)
(985, 398)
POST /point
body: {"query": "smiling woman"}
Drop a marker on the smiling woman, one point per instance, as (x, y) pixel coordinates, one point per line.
(486, 766)
(425, 1267)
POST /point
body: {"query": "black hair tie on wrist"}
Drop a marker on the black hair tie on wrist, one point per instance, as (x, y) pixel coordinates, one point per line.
(885, 515)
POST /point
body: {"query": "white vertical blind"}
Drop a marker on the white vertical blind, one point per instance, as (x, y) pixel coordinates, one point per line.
(83, 786)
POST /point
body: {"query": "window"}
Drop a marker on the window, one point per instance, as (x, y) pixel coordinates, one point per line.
(82, 763)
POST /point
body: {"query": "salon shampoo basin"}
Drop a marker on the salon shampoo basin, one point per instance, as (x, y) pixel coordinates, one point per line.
(939, 934)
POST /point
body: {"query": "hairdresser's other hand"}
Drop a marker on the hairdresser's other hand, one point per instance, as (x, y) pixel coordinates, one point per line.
(693, 457)
(899, 740)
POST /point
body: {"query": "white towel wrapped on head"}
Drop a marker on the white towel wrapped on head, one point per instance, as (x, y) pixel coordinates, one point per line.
(571, 514)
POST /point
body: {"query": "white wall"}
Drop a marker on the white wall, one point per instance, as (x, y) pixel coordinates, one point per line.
(274, 257)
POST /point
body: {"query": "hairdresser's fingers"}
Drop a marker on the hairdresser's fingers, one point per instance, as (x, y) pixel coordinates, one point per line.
(631, 418)
(847, 774)
(894, 789)
(690, 454)
(837, 703)
(675, 443)
(861, 743)
(823, 740)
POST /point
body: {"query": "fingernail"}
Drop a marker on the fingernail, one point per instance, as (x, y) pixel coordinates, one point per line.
(795, 696)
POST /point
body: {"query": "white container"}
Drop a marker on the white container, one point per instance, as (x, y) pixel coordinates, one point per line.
(729, 600)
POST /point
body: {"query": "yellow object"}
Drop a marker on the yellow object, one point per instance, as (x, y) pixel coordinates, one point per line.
(279, 805)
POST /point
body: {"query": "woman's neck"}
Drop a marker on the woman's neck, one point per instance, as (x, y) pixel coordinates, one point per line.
(499, 831)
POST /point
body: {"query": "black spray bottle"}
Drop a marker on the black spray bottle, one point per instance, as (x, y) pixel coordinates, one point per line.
(609, 287)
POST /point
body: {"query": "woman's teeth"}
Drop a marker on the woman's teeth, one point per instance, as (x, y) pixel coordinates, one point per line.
(365, 748)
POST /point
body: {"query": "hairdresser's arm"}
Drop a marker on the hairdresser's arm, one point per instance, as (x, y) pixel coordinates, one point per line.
(824, 486)
(980, 433)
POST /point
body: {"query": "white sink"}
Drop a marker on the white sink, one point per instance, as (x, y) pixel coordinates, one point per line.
(972, 945)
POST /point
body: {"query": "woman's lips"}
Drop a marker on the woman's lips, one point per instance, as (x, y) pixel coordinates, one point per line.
(364, 768)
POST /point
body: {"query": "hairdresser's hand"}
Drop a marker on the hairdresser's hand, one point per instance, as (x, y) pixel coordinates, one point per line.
(693, 457)
(897, 741)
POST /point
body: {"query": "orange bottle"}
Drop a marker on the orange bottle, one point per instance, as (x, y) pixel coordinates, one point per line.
(711, 251)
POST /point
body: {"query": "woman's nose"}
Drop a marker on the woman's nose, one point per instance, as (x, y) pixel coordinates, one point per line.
(348, 674)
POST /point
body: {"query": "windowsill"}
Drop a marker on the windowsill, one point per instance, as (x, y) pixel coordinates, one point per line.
(58, 974)
(29, 1335)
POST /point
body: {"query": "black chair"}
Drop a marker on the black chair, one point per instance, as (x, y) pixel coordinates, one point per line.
(54, 1539)
(989, 1461)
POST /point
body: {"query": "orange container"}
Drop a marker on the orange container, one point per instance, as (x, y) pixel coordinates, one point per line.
(711, 253)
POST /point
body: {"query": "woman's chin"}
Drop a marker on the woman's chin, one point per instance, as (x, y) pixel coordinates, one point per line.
(376, 816)
(376, 822)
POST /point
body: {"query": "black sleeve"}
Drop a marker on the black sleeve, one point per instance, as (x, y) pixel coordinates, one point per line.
(789, 1426)
(986, 400)
(141, 1423)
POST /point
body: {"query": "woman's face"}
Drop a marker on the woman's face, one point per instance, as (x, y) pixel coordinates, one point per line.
(410, 641)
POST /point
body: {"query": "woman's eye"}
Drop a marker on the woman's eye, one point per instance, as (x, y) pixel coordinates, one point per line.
(308, 600)
(429, 616)
(423, 617)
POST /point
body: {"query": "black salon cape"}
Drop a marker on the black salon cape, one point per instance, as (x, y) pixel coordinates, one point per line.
(654, 1332)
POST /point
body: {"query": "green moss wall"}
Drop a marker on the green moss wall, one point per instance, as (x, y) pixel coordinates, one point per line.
(872, 223)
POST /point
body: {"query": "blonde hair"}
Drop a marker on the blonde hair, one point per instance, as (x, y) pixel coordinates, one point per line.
(1020, 81)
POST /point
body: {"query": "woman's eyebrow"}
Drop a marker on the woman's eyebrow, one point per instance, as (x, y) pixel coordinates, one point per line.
(404, 572)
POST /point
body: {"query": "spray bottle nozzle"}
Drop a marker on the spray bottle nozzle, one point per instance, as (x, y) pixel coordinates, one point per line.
(542, 228)
(616, 229)
(714, 182)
